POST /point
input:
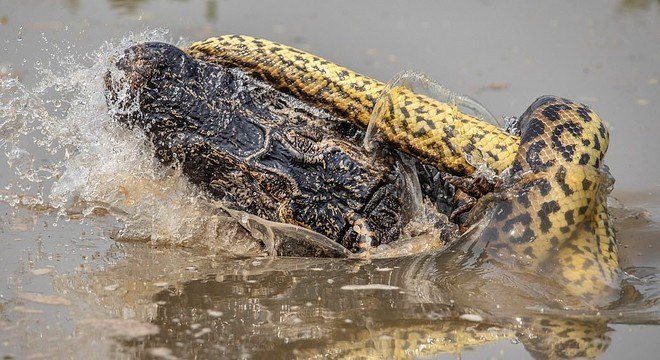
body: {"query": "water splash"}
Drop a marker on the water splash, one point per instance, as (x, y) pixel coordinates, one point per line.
(69, 156)
(421, 84)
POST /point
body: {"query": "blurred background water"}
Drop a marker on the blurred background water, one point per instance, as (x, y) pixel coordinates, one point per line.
(602, 53)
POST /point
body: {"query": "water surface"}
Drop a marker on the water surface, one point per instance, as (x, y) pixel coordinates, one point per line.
(68, 290)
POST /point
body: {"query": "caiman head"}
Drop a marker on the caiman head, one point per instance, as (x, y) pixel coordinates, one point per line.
(259, 150)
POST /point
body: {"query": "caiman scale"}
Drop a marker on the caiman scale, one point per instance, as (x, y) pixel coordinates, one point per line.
(296, 160)
(265, 152)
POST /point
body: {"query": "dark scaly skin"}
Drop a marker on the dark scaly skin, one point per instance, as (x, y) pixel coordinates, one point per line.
(261, 151)
(555, 216)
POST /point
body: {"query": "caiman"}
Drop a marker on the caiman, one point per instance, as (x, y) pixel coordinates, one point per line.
(267, 153)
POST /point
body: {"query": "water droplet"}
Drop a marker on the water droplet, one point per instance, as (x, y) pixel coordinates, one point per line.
(472, 317)
(41, 271)
(214, 313)
(112, 287)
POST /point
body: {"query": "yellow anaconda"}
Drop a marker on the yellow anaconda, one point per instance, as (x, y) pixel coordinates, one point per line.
(432, 131)
(554, 217)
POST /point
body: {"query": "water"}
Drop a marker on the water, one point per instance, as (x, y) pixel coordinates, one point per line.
(73, 181)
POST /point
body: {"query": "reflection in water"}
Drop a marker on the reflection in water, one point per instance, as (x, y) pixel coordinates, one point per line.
(213, 307)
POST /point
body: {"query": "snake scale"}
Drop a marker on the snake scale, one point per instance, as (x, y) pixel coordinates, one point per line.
(554, 218)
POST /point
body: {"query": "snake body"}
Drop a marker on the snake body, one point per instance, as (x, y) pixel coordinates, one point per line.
(432, 131)
(554, 218)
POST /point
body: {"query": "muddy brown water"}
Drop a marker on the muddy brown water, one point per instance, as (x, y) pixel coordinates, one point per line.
(68, 290)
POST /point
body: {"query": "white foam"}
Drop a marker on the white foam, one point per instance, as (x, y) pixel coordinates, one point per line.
(68, 154)
(369, 287)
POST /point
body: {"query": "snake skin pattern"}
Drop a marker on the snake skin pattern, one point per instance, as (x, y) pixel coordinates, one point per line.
(555, 217)
(432, 131)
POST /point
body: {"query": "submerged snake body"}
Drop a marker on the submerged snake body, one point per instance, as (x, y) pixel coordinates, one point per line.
(553, 218)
